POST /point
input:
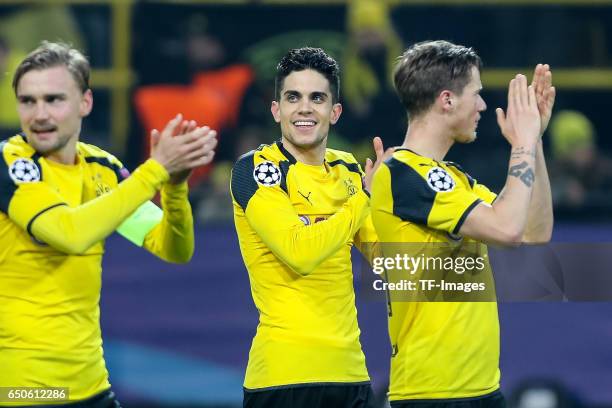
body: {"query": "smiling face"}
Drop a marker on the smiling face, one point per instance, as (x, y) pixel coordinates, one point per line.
(305, 110)
(466, 113)
(51, 107)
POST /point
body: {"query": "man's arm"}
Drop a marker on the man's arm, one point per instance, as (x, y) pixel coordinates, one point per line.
(540, 217)
(172, 239)
(269, 211)
(540, 220)
(74, 230)
(504, 222)
(304, 247)
(366, 240)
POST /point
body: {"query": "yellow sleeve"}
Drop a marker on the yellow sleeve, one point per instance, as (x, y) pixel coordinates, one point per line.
(172, 239)
(484, 193)
(74, 230)
(366, 239)
(269, 212)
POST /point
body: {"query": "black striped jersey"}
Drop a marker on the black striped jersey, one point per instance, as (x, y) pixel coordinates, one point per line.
(296, 224)
(50, 290)
(441, 349)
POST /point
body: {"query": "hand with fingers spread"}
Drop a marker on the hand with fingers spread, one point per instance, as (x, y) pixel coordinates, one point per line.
(182, 146)
(521, 123)
(545, 93)
(371, 167)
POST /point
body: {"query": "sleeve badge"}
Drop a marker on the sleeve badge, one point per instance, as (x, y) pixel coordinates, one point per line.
(267, 174)
(24, 171)
(440, 181)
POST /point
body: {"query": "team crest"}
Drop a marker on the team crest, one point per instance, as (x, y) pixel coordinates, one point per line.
(439, 180)
(350, 187)
(24, 171)
(267, 174)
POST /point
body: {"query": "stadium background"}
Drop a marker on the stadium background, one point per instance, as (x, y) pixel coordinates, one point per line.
(179, 336)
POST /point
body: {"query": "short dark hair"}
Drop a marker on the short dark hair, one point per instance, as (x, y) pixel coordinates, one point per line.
(299, 59)
(427, 68)
(49, 55)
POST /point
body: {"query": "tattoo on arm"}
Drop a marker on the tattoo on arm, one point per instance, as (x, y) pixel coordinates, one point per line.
(524, 173)
(520, 151)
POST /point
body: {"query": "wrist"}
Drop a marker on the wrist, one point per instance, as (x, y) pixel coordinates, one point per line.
(524, 144)
(176, 187)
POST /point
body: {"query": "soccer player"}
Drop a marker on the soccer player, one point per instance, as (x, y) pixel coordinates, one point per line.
(299, 207)
(447, 353)
(59, 199)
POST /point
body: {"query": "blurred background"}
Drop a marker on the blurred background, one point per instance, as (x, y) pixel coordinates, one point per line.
(180, 336)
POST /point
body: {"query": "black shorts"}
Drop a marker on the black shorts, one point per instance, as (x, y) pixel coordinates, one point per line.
(493, 400)
(105, 399)
(312, 396)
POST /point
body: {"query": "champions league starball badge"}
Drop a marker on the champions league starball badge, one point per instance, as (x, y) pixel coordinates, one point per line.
(24, 171)
(439, 180)
(267, 174)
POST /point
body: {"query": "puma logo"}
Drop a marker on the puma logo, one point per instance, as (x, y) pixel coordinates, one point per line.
(307, 197)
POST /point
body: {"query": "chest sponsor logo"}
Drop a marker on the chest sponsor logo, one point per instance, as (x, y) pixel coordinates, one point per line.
(439, 180)
(24, 171)
(267, 174)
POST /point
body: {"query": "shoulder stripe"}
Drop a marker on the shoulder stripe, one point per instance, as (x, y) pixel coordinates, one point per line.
(103, 161)
(41, 212)
(284, 167)
(7, 186)
(412, 197)
(243, 186)
(354, 167)
(465, 214)
(285, 152)
(471, 181)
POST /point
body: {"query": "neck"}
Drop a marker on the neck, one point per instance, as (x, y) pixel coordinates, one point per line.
(309, 155)
(428, 137)
(63, 157)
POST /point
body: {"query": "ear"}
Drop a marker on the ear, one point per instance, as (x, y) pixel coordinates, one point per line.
(335, 113)
(275, 109)
(446, 100)
(86, 103)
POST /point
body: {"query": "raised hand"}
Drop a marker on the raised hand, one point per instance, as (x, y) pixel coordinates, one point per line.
(545, 93)
(521, 123)
(182, 146)
(371, 167)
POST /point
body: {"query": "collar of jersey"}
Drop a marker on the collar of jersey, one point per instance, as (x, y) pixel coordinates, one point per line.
(285, 152)
(317, 171)
(421, 156)
(36, 156)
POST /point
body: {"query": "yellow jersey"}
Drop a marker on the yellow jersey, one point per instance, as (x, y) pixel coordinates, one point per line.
(53, 219)
(440, 349)
(296, 224)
